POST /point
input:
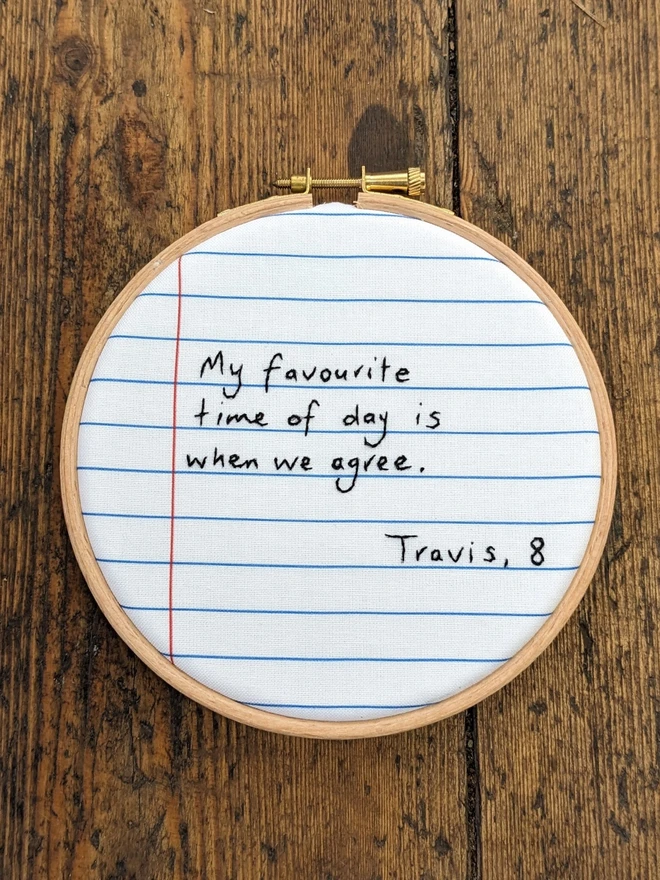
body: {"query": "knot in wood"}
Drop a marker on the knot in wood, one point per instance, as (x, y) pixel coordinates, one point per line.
(75, 58)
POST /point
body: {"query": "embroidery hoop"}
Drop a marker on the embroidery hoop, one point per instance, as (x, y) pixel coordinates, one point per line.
(309, 727)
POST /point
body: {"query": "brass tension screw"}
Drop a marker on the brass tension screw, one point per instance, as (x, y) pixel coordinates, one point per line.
(411, 182)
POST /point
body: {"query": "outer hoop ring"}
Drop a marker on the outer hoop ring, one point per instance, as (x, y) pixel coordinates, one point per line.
(298, 726)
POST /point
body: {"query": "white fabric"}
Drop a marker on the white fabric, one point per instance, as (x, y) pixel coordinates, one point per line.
(277, 589)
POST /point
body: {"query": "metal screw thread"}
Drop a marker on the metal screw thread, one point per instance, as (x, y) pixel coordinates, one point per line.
(325, 183)
(347, 182)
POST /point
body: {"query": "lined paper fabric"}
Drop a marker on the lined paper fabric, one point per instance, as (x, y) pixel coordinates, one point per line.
(307, 589)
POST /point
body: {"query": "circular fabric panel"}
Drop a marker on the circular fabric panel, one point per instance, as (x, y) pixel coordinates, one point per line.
(338, 464)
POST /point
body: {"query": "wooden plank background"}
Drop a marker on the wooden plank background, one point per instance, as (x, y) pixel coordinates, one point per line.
(126, 124)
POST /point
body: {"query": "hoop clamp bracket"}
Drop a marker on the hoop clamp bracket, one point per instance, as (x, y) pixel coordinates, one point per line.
(411, 182)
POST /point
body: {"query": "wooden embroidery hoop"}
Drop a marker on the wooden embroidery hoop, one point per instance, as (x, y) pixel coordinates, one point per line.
(259, 717)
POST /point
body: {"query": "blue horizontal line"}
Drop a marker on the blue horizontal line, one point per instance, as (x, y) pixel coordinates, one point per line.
(428, 522)
(290, 386)
(340, 659)
(167, 562)
(315, 706)
(338, 475)
(363, 344)
(428, 432)
(447, 257)
(165, 608)
(357, 213)
(346, 299)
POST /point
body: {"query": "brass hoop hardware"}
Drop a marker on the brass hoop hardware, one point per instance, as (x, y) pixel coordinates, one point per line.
(410, 182)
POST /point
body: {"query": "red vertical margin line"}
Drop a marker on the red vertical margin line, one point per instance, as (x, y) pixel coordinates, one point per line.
(172, 496)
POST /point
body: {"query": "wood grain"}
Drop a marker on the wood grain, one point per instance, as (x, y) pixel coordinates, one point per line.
(561, 163)
(125, 125)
